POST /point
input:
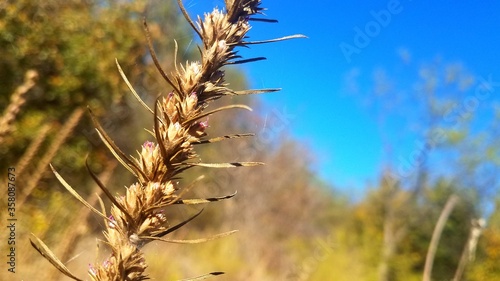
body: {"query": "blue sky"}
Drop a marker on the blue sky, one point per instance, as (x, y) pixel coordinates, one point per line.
(325, 86)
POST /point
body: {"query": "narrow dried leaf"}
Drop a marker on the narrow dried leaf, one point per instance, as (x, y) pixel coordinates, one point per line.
(263, 20)
(47, 254)
(106, 191)
(176, 51)
(204, 200)
(253, 92)
(103, 208)
(226, 137)
(155, 58)
(177, 226)
(203, 277)
(115, 150)
(75, 194)
(242, 106)
(190, 241)
(110, 146)
(163, 150)
(295, 36)
(226, 165)
(189, 187)
(188, 18)
(124, 77)
(246, 60)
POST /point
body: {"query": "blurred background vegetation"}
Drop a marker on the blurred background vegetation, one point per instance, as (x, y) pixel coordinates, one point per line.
(292, 225)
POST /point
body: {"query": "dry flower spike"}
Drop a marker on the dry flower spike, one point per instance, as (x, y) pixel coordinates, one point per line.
(140, 216)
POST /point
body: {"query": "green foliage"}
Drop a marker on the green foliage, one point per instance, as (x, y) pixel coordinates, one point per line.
(72, 45)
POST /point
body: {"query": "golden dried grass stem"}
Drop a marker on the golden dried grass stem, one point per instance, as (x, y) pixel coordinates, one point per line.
(32, 149)
(47, 253)
(17, 100)
(72, 234)
(62, 135)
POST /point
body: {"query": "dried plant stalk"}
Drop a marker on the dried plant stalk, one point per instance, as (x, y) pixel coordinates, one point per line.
(140, 215)
(17, 100)
(32, 149)
(41, 167)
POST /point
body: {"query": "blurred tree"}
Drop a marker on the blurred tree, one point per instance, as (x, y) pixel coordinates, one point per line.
(453, 122)
(72, 46)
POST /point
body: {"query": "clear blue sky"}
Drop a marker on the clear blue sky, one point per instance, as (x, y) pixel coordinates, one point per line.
(342, 131)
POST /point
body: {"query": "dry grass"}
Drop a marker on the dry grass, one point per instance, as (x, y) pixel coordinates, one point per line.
(56, 144)
(17, 100)
(180, 123)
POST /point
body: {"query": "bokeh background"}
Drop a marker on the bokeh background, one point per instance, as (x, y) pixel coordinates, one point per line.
(387, 118)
